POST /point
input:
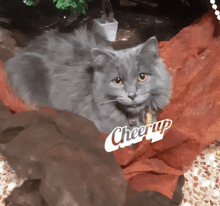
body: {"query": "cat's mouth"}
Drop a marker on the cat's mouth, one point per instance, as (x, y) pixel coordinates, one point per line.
(135, 108)
(134, 105)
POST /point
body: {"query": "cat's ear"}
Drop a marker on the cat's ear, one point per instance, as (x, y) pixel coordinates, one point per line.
(149, 47)
(101, 57)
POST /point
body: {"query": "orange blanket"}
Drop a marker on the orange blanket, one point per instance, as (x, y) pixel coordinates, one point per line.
(193, 59)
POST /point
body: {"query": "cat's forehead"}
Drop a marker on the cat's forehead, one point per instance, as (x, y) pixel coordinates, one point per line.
(126, 62)
(127, 57)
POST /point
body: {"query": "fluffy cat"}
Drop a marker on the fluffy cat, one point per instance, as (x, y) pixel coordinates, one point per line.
(80, 72)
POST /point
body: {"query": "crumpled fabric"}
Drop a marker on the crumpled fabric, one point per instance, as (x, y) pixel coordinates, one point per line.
(64, 152)
(193, 60)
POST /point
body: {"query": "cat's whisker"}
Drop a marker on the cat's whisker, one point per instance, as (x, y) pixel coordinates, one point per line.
(118, 98)
(108, 101)
(146, 94)
(121, 98)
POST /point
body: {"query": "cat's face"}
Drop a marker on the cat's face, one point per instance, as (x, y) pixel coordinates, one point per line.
(135, 78)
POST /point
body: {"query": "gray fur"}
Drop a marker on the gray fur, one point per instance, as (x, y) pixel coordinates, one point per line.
(74, 72)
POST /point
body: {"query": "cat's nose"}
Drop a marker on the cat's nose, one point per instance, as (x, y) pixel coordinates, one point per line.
(132, 96)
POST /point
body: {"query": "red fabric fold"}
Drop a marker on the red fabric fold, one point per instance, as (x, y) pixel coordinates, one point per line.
(193, 60)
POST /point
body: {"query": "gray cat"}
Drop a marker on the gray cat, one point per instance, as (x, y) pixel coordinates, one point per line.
(80, 72)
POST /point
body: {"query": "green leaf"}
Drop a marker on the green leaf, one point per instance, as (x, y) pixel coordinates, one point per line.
(31, 2)
(73, 5)
(58, 5)
(83, 11)
(61, 4)
(63, 7)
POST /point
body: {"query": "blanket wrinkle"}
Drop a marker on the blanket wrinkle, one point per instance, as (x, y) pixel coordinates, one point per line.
(192, 58)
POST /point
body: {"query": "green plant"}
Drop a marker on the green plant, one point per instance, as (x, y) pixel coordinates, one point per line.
(79, 6)
(31, 2)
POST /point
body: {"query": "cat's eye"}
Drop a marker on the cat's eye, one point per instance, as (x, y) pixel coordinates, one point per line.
(142, 77)
(118, 81)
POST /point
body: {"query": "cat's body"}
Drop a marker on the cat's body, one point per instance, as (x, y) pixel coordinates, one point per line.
(78, 72)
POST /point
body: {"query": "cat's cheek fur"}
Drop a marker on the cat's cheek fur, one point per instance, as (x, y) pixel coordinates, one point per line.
(116, 91)
(100, 88)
